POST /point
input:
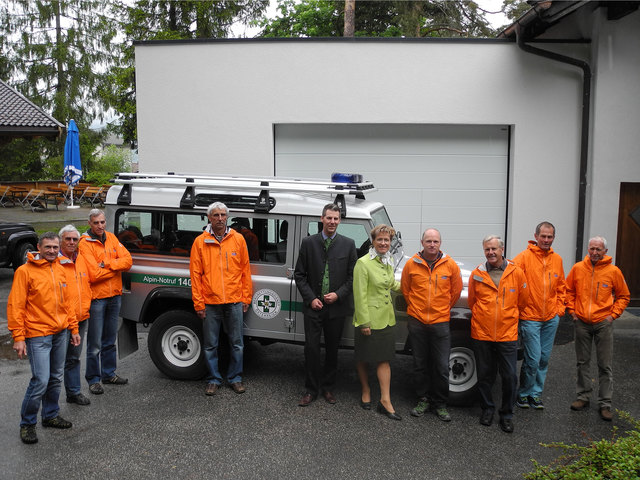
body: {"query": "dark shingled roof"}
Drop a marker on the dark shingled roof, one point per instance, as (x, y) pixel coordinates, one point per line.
(19, 117)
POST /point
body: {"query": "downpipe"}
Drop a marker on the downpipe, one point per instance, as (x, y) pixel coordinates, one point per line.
(584, 134)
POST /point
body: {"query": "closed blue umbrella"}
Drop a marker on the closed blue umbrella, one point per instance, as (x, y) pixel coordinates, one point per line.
(72, 165)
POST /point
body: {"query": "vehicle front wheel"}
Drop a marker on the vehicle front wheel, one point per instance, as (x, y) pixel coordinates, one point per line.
(20, 254)
(175, 345)
(463, 378)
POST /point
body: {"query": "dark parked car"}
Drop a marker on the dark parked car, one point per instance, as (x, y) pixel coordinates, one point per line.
(16, 239)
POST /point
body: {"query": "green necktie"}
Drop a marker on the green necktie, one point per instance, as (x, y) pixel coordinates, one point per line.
(325, 277)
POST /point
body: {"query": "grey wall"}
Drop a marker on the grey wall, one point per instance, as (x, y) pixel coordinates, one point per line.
(615, 132)
(212, 107)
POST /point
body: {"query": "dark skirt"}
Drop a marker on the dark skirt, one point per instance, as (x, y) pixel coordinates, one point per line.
(378, 347)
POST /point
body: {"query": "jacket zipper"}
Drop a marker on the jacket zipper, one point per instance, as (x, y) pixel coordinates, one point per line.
(546, 286)
(429, 295)
(495, 317)
(593, 272)
(224, 297)
(435, 287)
(58, 296)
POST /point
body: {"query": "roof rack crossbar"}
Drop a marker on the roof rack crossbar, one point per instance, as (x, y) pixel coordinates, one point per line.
(248, 183)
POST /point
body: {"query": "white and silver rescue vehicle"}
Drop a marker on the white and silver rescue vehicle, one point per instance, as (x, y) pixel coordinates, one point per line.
(158, 216)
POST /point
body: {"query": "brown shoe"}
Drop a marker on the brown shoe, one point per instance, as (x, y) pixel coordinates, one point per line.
(212, 389)
(605, 414)
(329, 397)
(580, 405)
(306, 400)
(238, 387)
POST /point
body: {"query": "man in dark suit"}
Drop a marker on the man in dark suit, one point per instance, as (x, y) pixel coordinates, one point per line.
(324, 277)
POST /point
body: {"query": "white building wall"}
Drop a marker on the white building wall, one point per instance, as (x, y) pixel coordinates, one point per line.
(615, 133)
(211, 107)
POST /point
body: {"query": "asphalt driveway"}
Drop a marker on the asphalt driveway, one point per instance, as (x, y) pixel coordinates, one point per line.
(159, 428)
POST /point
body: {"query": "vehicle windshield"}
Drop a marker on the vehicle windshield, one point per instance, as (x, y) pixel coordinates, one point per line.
(380, 216)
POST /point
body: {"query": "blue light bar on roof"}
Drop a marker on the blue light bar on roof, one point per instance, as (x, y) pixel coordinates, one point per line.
(339, 177)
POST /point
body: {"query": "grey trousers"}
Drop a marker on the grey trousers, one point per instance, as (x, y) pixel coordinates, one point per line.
(602, 334)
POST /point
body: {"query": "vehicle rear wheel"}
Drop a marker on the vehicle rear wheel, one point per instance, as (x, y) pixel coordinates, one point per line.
(20, 253)
(176, 347)
(463, 378)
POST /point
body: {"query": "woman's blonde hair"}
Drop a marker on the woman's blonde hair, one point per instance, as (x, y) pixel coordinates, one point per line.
(382, 229)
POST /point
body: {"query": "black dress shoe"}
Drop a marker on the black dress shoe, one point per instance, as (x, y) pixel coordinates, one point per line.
(306, 400)
(384, 411)
(506, 425)
(365, 405)
(486, 418)
(329, 397)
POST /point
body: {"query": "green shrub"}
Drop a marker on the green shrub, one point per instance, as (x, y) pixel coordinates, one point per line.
(615, 459)
(112, 161)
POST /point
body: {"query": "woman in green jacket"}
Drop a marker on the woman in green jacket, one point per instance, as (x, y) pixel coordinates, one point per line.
(374, 320)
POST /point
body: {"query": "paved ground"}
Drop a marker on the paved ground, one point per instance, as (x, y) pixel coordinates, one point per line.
(160, 428)
(50, 218)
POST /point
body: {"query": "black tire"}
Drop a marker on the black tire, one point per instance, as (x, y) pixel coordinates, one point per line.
(20, 253)
(463, 379)
(175, 345)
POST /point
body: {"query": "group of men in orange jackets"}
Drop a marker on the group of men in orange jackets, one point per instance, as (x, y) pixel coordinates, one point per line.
(54, 294)
(527, 296)
(69, 280)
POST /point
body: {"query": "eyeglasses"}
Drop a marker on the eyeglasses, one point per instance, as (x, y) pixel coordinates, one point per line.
(71, 239)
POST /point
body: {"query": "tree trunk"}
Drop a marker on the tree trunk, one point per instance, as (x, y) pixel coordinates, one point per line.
(349, 17)
(59, 109)
(173, 21)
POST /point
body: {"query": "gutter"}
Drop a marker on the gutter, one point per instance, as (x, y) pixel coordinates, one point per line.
(584, 135)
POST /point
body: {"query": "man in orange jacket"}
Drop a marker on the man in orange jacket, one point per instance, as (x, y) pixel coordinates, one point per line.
(431, 285)
(106, 258)
(539, 319)
(40, 315)
(497, 293)
(221, 290)
(597, 294)
(78, 281)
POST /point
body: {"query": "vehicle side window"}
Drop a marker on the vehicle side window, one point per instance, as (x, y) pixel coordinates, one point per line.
(266, 237)
(135, 231)
(356, 231)
(159, 232)
(174, 233)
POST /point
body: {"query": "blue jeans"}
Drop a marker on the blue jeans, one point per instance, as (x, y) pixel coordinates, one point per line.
(46, 357)
(537, 341)
(493, 357)
(101, 339)
(72, 363)
(431, 345)
(228, 315)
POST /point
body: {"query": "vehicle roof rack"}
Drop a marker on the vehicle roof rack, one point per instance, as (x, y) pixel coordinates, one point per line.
(263, 185)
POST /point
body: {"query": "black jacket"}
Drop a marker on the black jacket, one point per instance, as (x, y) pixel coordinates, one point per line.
(310, 270)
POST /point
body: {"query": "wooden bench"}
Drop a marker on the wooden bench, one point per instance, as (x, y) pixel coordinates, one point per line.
(5, 195)
(18, 193)
(38, 198)
(94, 195)
(78, 190)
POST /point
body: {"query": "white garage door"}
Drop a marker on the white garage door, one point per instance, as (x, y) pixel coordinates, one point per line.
(451, 177)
